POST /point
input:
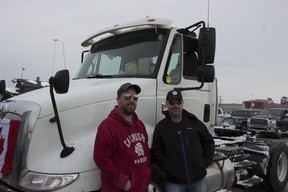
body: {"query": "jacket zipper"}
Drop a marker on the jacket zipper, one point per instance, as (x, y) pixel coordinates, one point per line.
(184, 155)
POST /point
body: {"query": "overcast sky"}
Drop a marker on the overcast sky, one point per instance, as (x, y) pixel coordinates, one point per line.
(251, 48)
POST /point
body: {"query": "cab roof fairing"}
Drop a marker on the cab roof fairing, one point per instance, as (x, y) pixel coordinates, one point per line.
(128, 27)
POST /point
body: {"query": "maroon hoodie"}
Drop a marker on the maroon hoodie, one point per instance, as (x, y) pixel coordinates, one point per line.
(121, 152)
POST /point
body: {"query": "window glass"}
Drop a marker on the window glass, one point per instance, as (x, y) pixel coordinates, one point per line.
(133, 54)
(110, 66)
(190, 58)
(174, 67)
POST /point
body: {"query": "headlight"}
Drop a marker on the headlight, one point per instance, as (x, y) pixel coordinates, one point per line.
(248, 120)
(273, 122)
(46, 182)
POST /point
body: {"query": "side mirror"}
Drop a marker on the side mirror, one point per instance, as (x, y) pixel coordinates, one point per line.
(206, 44)
(207, 72)
(60, 82)
(2, 87)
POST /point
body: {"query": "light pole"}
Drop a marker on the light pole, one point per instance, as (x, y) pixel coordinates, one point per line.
(55, 40)
(220, 99)
(251, 102)
(64, 55)
(22, 72)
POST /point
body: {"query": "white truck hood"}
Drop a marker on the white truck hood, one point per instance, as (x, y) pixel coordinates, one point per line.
(94, 90)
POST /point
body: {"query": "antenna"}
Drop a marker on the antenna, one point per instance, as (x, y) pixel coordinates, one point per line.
(208, 13)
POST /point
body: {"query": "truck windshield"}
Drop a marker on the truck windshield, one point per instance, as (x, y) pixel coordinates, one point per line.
(243, 113)
(272, 112)
(134, 54)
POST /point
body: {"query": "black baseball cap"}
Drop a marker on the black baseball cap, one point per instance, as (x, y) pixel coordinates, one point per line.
(174, 94)
(126, 86)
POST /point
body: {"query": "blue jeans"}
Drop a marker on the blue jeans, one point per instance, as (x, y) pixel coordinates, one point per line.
(198, 186)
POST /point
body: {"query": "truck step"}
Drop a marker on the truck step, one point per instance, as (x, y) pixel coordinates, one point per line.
(255, 180)
(219, 156)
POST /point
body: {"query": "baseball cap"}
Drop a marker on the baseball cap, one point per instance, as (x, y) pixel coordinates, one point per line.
(174, 94)
(126, 86)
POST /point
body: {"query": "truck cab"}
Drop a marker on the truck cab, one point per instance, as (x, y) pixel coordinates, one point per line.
(54, 135)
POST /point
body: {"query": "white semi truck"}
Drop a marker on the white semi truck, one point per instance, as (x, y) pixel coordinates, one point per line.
(48, 138)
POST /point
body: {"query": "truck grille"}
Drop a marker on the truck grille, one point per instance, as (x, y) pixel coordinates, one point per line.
(262, 122)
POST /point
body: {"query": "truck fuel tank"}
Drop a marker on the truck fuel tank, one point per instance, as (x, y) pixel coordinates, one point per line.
(221, 173)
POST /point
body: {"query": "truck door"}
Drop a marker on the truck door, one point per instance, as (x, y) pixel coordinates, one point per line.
(181, 70)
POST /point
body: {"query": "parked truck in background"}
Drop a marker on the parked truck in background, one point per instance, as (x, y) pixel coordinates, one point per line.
(272, 121)
(241, 116)
(51, 137)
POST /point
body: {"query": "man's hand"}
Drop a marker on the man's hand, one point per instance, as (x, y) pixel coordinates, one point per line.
(127, 186)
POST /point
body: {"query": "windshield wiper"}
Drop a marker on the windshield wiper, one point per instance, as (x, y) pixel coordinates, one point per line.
(100, 76)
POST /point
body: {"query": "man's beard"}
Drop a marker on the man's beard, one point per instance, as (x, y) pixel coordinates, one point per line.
(127, 110)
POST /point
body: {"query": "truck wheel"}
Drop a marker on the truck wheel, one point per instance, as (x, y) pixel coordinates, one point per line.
(153, 188)
(277, 170)
(157, 183)
(278, 133)
(244, 127)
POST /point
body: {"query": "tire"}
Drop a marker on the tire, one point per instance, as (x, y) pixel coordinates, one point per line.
(153, 188)
(244, 126)
(277, 170)
(157, 183)
(278, 133)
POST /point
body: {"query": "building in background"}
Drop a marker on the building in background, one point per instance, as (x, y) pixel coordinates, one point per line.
(260, 104)
(26, 85)
(256, 104)
(22, 86)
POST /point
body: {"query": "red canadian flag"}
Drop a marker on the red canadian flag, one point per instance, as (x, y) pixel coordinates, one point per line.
(8, 139)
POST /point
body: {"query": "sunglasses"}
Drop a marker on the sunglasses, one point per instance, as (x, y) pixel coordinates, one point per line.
(127, 97)
(173, 102)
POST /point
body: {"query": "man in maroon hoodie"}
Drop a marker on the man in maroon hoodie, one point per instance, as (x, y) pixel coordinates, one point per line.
(121, 149)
